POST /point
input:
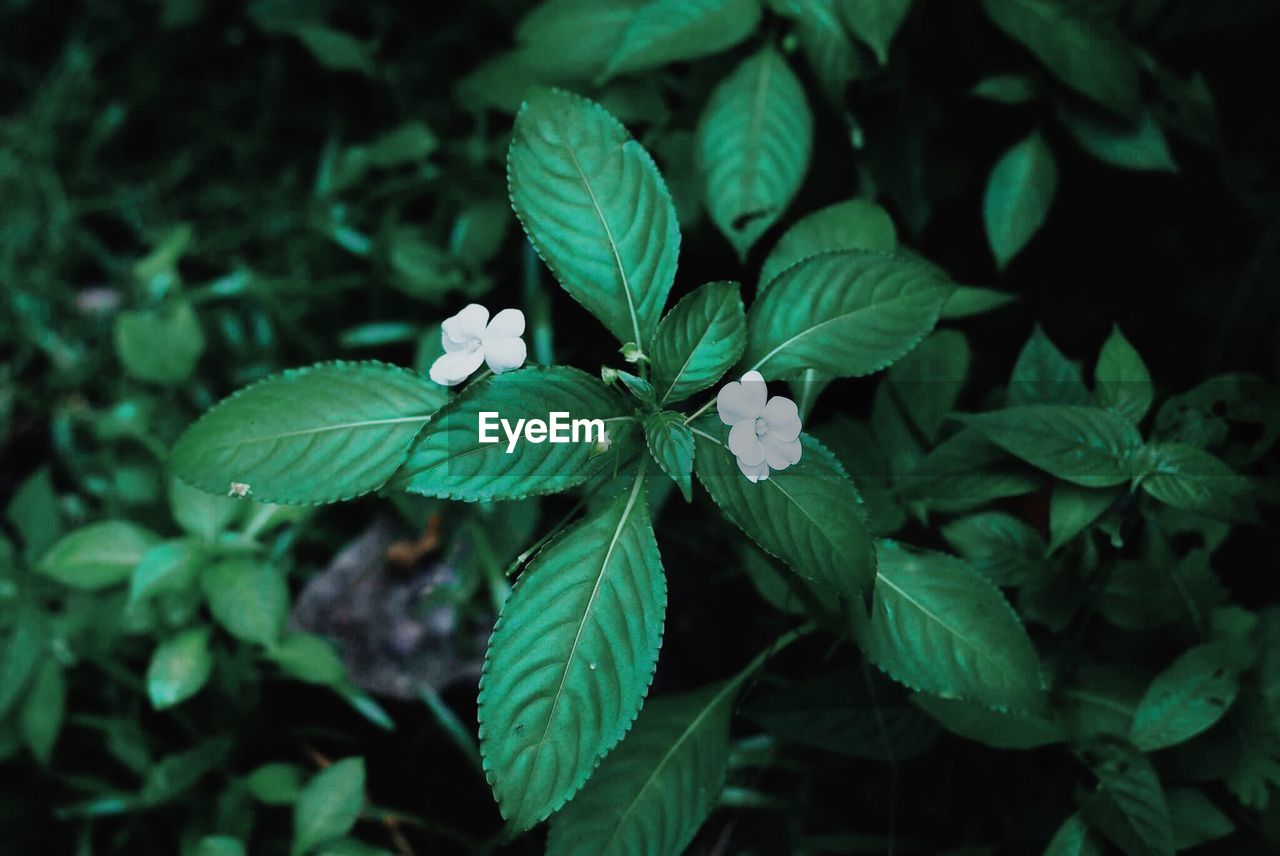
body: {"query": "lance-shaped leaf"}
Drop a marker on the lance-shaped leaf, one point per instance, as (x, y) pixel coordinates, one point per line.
(97, 556)
(571, 658)
(874, 22)
(1073, 839)
(855, 224)
(1185, 477)
(1187, 698)
(1001, 729)
(1129, 805)
(1139, 145)
(652, 793)
(847, 314)
(451, 461)
(1082, 445)
(1019, 192)
(941, 627)
(753, 145)
(1091, 56)
(671, 444)
(826, 44)
(596, 209)
(1043, 375)
(809, 515)
(665, 31)
(248, 597)
(699, 339)
(324, 433)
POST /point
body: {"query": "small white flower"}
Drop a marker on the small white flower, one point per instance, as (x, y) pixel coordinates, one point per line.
(764, 432)
(470, 339)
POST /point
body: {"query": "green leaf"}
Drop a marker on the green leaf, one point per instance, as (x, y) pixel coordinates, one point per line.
(1121, 380)
(97, 556)
(1072, 509)
(1129, 806)
(596, 209)
(35, 512)
(335, 49)
(160, 345)
(666, 31)
(1003, 548)
(448, 460)
(671, 444)
(248, 597)
(1196, 820)
(1190, 479)
(834, 58)
(312, 659)
(1188, 697)
(1018, 195)
(753, 145)
(328, 432)
(199, 512)
(329, 805)
(967, 300)
(275, 784)
(1043, 375)
(653, 792)
(848, 314)
(1006, 89)
(1082, 445)
(1089, 55)
(571, 658)
(1002, 730)
(1140, 145)
(42, 713)
(180, 667)
(27, 643)
(941, 627)
(874, 22)
(928, 381)
(698, 341)
(1073, 839)
(220, 845)
(172, 566)
(808, 515)
(855, 224)
(964, 472)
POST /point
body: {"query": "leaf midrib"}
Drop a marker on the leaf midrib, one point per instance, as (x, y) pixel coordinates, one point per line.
(706, 332)
(343, 426)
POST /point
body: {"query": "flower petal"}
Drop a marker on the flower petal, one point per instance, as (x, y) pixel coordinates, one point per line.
(783, 418)
(780, 454)
(739, 401)
(503, 355)
(757, 473)
(467, 324)
(744, 443)
(507, 324)
(453, 368)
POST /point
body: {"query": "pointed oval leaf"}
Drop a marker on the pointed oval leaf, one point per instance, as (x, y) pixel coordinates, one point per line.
(571, 658)
(874, 22)
(1004, 549)
(179, 668)
(941, 627)
(1089, 55)
(671, 444)
(1139, 145)
(1185, 477)
(847, 314)
(1188, 697)
(169, 567)
(1121, 379)
(808, 515)
(1072, 509)
(319, 434)
(97, 556)
(1073, 839)
(666, 31)
(1082, 445)
(596, 209)
(450, 461)
(754, 141)
(1129, 806)
(652, 793)
(1019, 192)
(160, 345)
(698, 341)
(1003, 730)
(329, 805)
(248, 597)
(855, 224)
(1043, 375)
(826, 44)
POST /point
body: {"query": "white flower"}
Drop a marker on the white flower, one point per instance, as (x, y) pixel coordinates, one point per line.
(764, 432)
(470, 339)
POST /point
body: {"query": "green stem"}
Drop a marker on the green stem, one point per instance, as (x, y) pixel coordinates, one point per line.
(701, 410)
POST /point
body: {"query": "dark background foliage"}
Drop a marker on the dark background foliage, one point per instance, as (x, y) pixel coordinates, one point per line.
(121, 119)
